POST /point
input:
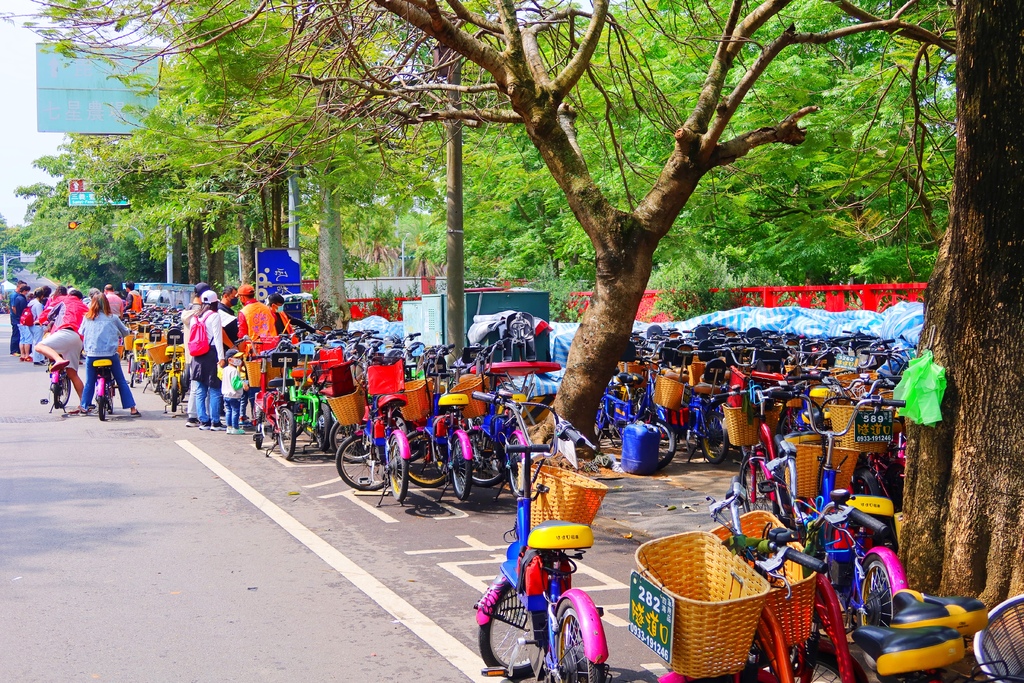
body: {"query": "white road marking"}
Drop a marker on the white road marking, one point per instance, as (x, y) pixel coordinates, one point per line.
(656, 669)
(612, 619)
(372, 509)
(481, 583)
(471, 544)
(446, 645)
(286, 463)
(456, 513)
(322, 483)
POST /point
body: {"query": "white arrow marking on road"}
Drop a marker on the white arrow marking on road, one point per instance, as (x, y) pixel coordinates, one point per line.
(322, 483)
(471, 544)
(286, 463)
(656, 669)
(456, 513)
(612, 619)
(446, 645)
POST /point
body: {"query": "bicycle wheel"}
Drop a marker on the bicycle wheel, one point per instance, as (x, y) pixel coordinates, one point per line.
(876, 593)
(398, 466)
(573, 664)
(752, 477)
(321, 433)
(286, 433)
(461, 469)
(488, 462)
(61, 391)
(425, 468)
(515, 462)
(864, 482)
(715, 442)
(668, 441)
(499, 637)
(101, 407)
(359, 465)
(175, 397)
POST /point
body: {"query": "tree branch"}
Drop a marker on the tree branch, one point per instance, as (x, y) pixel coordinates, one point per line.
(787, 132)
(573, 71)
(904, 29)
(473, 18)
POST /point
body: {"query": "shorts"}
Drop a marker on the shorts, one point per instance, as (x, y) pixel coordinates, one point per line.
(26, 334)
(68, 344)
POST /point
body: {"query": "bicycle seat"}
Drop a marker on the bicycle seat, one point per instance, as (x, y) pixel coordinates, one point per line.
(557, 535)
(628, 378)
(175, 349)
(102, 363)
(276, 383)
(902, 651)
(703, 389)
(913, 610)
(390, 398)
(453, 400)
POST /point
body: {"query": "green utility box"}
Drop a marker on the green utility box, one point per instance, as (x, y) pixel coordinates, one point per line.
(435, 306)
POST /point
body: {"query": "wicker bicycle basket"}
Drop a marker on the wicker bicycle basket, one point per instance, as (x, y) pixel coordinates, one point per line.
(717, 598)
(571, 497)
(668, 393)
(418, 401)
(254, 368)
(808, 465)
(795, 614)
(467, 385)
(157, 352)
(350, 408)
(841, 414)
(696, 372)
(742, 427)
(771, 416)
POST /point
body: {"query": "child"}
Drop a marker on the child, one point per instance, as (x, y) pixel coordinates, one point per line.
(231, 388)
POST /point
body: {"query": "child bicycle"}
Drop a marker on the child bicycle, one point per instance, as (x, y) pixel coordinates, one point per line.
(531, 619)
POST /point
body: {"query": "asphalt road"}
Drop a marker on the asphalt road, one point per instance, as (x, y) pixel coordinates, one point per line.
(139, 550)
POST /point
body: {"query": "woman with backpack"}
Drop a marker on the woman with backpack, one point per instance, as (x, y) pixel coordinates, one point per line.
(25, 325)
(206, 348)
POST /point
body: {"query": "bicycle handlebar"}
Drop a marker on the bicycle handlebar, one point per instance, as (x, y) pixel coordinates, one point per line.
(877, 527)
(805, 560)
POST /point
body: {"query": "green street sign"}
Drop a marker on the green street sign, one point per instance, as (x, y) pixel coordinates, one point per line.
(651, 613)
(90, 199)
(88, 95)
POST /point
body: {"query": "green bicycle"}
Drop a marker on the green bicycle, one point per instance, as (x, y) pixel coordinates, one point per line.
(306, 408)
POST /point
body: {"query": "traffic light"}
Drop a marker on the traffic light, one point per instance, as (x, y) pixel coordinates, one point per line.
(73, 225)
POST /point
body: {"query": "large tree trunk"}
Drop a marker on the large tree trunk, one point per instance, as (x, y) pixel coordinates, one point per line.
(965, 477)
(195, 251)
(332, 263)
(176, 246)
(249, 244)
(215, 257)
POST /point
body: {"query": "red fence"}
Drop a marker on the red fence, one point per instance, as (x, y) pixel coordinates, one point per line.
(832, 298)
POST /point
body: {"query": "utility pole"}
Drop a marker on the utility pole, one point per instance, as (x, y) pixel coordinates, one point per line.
(456, 263)
(169, 239)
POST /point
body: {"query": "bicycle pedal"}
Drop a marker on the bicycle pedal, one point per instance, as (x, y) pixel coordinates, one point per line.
(765, 487)
(494, 672)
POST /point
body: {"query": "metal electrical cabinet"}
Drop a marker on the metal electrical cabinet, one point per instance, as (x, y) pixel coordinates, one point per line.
(429, 316)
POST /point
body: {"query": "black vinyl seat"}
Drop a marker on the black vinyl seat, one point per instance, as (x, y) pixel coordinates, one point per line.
(902, 651)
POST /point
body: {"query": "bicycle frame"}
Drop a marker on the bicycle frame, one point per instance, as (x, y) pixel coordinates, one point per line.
(559, 588)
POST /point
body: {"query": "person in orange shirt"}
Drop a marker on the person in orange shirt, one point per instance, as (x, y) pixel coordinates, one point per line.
(282, 323)
(255, 319)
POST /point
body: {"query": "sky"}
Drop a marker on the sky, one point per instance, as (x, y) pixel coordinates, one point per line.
(20, 144)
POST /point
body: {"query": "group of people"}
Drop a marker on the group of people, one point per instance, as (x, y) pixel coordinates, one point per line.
(63, 325)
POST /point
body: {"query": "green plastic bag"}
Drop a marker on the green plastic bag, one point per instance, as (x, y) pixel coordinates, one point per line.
(922, 387)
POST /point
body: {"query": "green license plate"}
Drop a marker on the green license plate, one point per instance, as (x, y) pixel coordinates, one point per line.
(845, 362)
(650, 616)
(873, 427)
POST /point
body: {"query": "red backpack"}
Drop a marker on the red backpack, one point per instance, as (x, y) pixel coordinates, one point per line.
(198, 338)
(27, 319)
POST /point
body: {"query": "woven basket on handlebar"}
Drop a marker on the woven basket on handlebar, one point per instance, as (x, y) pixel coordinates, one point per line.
(772, 415)
(841, 414)
(808, 465)
(253, 370)
(696, 372)
(795, 614)
(157, 352)
(717, 598)
(418, 400)
(350, 408)
(668, 393)
(742, 428)
(570, 497)
(467, 385)
(633, 368)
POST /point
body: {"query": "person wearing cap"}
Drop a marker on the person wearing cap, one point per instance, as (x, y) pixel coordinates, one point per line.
(203, 368)
(186, 326)
(233, 388)
(255, 320)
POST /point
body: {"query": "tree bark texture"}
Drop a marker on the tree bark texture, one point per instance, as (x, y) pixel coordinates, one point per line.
(964, 495)
(195, 251)
(249, 244)
(332, 261)
(176, 245)
(215, 262)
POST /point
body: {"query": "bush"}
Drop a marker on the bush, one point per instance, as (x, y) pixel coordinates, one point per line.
(559, 290)
(685, 286)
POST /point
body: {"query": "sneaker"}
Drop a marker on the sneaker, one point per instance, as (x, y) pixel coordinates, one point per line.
(217, 427)
(203, 427)
(236, 431)
(192, 422)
